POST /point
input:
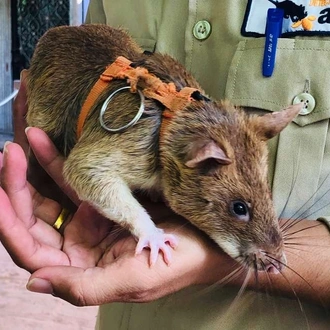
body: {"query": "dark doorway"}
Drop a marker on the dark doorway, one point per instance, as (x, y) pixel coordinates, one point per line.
(30, 20)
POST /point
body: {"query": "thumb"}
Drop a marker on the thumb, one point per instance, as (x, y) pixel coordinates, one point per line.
(89, 287)
(72, 284)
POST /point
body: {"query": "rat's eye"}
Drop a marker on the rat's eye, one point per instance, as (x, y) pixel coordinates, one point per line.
(240, 210)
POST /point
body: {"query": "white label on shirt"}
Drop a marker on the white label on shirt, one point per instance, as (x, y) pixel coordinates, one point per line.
(302, 17)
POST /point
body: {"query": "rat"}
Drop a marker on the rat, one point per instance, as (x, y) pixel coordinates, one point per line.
(291, 10)
(209, 161)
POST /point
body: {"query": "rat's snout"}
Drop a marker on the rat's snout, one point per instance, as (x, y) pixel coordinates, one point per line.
(270, 263)
(267, 256)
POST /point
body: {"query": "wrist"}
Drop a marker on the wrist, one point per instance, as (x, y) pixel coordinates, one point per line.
(306, 275)
(207, 263)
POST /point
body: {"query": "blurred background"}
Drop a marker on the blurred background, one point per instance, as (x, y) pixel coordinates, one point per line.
(22, 22)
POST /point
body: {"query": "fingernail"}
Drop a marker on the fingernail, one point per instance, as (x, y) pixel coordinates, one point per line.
(22, 74)
(26, 129)
(5, 145)
(40, 285)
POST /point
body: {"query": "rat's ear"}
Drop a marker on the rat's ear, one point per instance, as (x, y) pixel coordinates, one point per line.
(206, 152)
(269, 125)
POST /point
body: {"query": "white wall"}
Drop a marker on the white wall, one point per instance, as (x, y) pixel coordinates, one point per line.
(78, 10)
(6, 84)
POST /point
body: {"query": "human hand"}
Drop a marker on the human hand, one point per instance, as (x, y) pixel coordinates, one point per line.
(92, 262)
(19, 113)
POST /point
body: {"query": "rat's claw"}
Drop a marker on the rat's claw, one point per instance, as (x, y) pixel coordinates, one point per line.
(167, 253)
(171, 240)
(157, 241)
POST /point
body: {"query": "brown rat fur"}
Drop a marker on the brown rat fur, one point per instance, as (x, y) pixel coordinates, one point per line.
(211, 164)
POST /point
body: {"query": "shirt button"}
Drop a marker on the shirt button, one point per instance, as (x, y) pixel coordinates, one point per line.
(308, 100)
(202, 30)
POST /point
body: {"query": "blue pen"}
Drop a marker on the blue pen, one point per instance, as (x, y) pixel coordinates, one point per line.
(273, 32)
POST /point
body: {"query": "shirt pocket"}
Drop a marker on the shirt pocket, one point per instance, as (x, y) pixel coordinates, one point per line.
(146, 44)
(300, 63)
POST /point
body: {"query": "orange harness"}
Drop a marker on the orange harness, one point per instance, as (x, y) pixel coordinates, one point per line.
(153, 88)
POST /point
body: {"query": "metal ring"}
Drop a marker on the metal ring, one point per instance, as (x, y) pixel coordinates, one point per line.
(132, 122)
(62, 217)
(9, 98)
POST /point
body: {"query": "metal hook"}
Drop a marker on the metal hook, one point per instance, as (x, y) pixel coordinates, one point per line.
(307, 86)
(132, 122)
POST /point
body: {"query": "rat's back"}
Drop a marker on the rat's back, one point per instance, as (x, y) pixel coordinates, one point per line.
(66, 64)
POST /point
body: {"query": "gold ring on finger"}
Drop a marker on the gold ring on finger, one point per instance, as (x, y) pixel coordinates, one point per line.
(61, 219)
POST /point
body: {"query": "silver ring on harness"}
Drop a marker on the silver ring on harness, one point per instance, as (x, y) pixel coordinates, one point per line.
(132, 122)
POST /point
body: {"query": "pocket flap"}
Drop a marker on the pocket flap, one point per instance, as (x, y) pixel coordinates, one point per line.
(297, 61)
(146, 44)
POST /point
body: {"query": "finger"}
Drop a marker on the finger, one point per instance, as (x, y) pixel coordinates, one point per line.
(16, 207)
(50, 159)
(24, 199)
(19, 113)
(73, 284)
(44, 208)
(26, 251)
(13, 181)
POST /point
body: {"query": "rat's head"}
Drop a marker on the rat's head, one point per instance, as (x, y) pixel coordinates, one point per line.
(215, 175)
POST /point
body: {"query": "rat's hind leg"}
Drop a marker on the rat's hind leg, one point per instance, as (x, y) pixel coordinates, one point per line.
(110, 195)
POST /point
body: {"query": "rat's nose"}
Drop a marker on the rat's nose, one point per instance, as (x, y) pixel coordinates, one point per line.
(273, 264)
(271, 269)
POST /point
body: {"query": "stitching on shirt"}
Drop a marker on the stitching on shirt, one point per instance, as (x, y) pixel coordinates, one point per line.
(193, 39)
(316, 111)
(257, 99)
(287, 48)
(236, 70)
(129, 316)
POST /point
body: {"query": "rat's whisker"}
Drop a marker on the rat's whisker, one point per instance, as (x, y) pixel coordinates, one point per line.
(308, 215)
(289, 223)
(295, 293)
(300, 214)
(291, 246)
(301, 277)
(238, 271)
(305, 214)
(268, 296)
(255, 268)
(288, 235)
(231, 276)
(240, 292)
(292, 250)
(266, 273)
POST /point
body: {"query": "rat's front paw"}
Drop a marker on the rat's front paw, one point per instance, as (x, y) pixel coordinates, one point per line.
(157, 241)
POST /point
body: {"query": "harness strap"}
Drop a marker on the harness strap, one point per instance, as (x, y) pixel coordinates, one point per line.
(150, 85)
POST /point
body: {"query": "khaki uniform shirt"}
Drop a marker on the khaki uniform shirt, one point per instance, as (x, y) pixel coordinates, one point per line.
(206, 36)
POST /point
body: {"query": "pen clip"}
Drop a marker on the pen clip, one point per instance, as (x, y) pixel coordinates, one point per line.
(273, 32)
